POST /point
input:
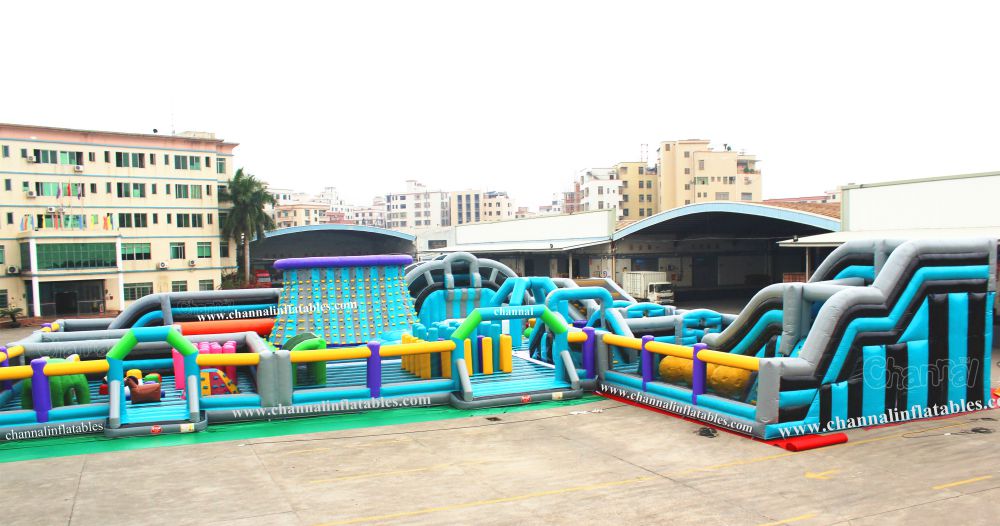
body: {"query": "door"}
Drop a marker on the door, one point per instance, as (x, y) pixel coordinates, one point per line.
(705, 272)
(66, 302)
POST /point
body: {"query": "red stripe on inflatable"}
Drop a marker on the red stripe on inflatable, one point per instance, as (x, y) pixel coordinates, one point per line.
(261, 326)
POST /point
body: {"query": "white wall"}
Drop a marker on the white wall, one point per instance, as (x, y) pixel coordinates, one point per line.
(582, 225)
(943, 203)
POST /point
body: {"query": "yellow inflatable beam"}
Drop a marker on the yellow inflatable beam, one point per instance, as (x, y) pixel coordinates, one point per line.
(576, 337)
(738, 361)
(670, 349)
(328, 355)
(623, 341)
(219, 360)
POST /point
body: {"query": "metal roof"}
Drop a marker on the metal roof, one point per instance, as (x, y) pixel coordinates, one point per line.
(336, 227)
(727, 207)
(834, 239)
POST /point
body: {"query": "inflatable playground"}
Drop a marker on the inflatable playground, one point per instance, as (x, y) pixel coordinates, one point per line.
(881, 328)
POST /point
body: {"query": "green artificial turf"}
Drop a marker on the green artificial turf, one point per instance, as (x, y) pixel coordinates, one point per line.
(85, 444)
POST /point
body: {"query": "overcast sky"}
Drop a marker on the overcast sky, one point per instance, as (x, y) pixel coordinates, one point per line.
(518, 96)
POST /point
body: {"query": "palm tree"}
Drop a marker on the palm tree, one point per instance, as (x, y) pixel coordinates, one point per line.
(247, 219)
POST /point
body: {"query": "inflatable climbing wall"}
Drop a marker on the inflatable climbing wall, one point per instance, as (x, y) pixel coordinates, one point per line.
(344, 300)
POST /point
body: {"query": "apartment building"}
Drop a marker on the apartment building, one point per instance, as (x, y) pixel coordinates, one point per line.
(417, 208)
(473, 206)
(600, 189)
(640, 187)
(93, 220)
(300, 214)
(690, 171)
(373, 215)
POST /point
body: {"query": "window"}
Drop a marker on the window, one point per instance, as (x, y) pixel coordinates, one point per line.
(6, 151)
(195, 191)
(177, 251)
(666, 147)
(107, 188)
(642, 198)
(687, 155)
(194, 162)
(701, 180)
(152, 159)
(209, 218)
(7, 184)
(223, 249)
(46, 157)
(182, 191)
(92, 157)
(687, 171)
(208, 162)
(220, 165)
(134, 291)
(721, 196)
(625, 198)
(56, 256)
(3, 299)
(746, 196)
(183, 220)
(649, 211)
(93, 188)
(124, 220)
(152, 187)
(204, 249)
(10, 218)
(156, 218)
(71, 158)
(701, 164)
(625, 212)
(166, 160)
(642, 170)
(121, 159)
(138, 189)
(3, 256)
(168, 218)
(687, 201)
(178, 286)
(180, 162)
(641, 184)
(649, 198)
(135, 252)
(206, 284)
(167, 186)
(208, 189)
(642, 212)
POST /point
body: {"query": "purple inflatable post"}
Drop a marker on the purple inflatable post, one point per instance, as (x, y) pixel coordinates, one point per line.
(646, 360)
(579, 324)
(698, 372)
(374, 370)
(588, 353)
(41, 397)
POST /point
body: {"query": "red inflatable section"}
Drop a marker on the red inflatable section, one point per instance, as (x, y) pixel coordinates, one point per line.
(261, 326)
(807, 442)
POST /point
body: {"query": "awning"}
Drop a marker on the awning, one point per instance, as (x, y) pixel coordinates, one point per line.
(834, 239)
(555, 245)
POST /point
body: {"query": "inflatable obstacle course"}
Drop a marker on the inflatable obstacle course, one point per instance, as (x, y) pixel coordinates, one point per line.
(344, 300)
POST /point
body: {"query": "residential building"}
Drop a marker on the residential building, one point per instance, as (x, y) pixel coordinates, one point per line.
(300, 214)
(599, 189)
(373, 215)
(473, 206)
(417, 207)
(640, 190)
(93, 220)
(690, 171)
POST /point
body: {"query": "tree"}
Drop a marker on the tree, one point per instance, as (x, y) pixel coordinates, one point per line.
(11, 312)
(247, 219)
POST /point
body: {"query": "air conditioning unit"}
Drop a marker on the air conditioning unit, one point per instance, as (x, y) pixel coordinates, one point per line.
(13, 270)
(78, 168)
(32, 159)
(51, 209)
(31, 193)
(191, 262)
(162, 265)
